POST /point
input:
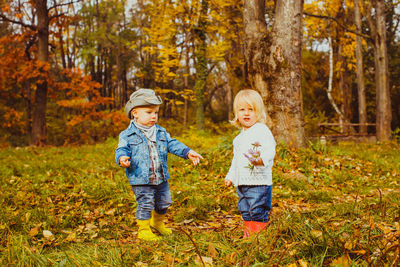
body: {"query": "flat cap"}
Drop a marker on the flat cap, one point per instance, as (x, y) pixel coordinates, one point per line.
(142, 97)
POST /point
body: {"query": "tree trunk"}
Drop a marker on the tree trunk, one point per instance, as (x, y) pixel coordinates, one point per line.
(201, 66)
(274, 65)
(186, 83)
(383, 105)
(330, 84)
(345, 92)
(38, 134)
(362, 102)
(229, 98)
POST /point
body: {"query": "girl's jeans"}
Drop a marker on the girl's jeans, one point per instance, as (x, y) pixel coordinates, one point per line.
(151, 197)
(254, 202)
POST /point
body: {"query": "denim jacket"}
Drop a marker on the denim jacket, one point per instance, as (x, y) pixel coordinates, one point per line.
(132, 143)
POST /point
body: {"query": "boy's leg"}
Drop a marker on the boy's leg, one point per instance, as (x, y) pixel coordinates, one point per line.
(145, 200)
(145, 204)
(162, 198)
(163, 201)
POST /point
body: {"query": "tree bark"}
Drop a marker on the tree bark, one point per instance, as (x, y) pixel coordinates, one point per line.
(330, 84)
(186, 82)
(201, 66)
(362, 102)
(345, 91)
(383, 105)
(274, 65)
(38, 134)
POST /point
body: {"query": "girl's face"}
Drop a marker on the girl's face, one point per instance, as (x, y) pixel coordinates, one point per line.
(146, 116)
(246, 115)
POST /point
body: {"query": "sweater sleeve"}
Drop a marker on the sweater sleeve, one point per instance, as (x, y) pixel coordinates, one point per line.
(231, 173)
(268, 147)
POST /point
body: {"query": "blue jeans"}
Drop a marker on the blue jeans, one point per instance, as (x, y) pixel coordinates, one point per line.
(254, 202)
(151, 197)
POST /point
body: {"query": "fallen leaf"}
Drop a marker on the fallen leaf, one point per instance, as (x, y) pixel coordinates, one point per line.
(187, 221)
(110, 212)
(359, 252)
(342, 261)
(34, 231)
(302, 263)
(316, 233)
(207, 261)
(212, 252)
(47, 234)
(71, 237)
(348, 245)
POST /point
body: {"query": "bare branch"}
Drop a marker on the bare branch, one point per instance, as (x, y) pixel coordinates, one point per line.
(6, 19)
(56, 16)
(64, 4)
(340, 24)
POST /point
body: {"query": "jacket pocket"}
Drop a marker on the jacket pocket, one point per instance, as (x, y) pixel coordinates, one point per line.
(137, 151)
(162, 147)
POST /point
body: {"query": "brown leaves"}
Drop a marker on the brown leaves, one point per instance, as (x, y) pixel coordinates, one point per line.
(34, 231)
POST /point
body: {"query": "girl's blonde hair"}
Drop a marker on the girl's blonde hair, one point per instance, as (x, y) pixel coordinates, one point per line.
(252, 98)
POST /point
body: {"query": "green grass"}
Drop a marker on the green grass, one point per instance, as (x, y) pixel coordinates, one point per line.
(332, 205)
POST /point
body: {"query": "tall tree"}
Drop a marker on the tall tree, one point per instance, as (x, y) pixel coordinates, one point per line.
(362, 102)
(274, 65)
(41, 11)
(38, 134)
(383, 106)
(201, 66)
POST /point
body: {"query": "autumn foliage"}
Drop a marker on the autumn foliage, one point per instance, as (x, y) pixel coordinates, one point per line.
(86, 115)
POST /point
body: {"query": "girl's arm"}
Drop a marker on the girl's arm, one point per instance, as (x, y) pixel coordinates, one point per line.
(230, 176)
(268, 148)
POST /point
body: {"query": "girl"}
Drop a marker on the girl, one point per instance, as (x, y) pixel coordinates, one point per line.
(251, 167)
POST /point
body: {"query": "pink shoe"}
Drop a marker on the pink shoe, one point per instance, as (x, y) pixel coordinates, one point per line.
(256, 227)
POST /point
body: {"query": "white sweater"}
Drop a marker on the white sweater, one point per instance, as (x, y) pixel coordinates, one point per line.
(257, 139)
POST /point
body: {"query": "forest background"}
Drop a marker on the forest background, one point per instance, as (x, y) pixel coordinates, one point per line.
(68, 67)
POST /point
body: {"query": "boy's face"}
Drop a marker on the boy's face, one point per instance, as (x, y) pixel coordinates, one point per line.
(146, 116)
(246, 115)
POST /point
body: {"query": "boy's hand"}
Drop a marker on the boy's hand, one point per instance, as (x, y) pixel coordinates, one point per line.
(228, 183)
(124, 161)
(194, 157)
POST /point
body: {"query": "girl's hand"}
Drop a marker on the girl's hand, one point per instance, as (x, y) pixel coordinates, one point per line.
(228, 183)
(194, 157)
(124, 161)
(257, 162)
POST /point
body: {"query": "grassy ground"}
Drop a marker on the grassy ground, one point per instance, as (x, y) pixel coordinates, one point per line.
(72, 206)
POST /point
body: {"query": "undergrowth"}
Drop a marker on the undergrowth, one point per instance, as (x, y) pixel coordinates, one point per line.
(72, 206)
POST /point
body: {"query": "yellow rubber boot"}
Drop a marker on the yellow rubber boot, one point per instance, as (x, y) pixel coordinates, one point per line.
(145, 232)
(157, 222)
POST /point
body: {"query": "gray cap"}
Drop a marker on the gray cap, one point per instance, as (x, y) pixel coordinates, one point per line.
(142, 97)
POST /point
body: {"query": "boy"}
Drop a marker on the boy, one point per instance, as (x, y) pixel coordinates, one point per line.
(143, 149)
